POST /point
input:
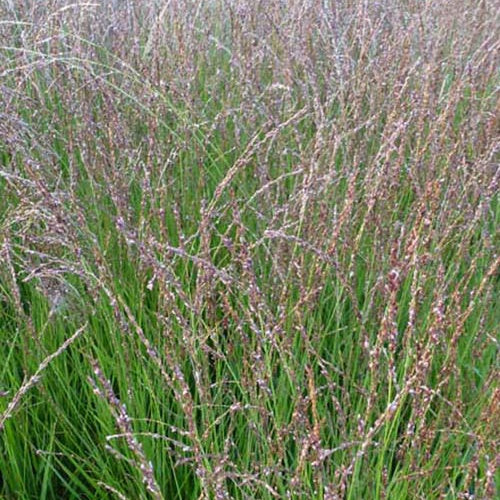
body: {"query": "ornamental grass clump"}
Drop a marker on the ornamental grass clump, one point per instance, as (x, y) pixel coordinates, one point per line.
(249, 249)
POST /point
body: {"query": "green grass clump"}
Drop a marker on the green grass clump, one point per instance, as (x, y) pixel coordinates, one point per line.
(249, 250)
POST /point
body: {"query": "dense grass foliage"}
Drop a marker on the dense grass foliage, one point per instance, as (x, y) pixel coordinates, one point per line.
(249, 249)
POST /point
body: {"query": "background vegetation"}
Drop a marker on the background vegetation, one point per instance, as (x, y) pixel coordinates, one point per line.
(249, 249)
